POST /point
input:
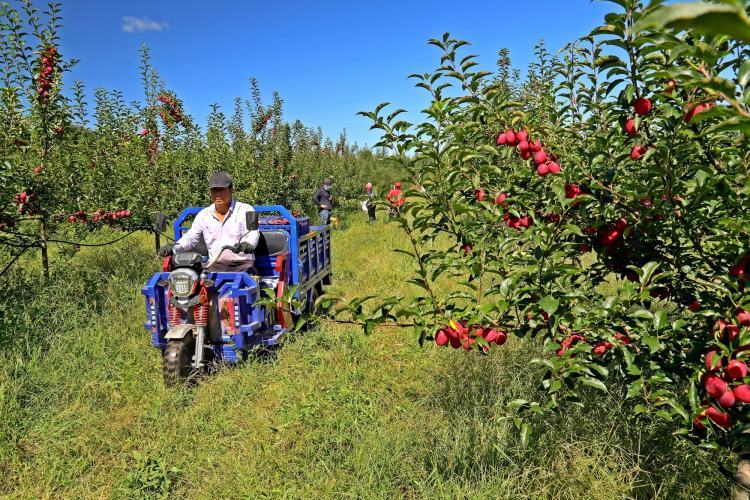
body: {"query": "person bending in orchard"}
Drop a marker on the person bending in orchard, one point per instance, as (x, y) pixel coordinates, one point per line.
(221, 224)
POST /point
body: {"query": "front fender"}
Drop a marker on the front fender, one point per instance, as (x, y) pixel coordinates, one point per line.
(179, 331)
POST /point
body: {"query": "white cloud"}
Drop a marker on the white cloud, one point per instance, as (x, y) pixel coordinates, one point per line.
(131, 24)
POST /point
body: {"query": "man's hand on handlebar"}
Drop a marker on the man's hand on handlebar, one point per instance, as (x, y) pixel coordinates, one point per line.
(242, 247)
(165, 251)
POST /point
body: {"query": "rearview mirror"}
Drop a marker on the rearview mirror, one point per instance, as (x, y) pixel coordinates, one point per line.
(251, 220)
(161, 222)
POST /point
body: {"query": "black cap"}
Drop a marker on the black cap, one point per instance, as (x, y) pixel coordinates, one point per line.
(327, 182)
(220, 180)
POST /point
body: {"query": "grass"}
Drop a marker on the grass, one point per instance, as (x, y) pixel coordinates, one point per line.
(334, 414)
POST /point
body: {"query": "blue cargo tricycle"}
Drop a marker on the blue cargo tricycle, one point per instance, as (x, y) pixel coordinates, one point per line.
(196, 317)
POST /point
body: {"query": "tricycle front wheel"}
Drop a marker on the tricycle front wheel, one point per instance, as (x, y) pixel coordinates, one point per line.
(177, 361)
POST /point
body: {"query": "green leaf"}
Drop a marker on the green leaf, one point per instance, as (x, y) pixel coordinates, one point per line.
(652, 342)
(525, 431)
(709, 18)
(743, 75)
(660, 319)
(549, 304)
(595, 383)
(634, 390)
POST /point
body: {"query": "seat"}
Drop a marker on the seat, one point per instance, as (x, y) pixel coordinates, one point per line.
(272, 245)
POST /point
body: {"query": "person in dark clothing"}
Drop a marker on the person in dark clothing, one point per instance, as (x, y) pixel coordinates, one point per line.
(324, 200)
(370, 201)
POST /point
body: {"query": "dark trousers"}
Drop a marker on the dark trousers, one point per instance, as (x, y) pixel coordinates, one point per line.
(325, 217)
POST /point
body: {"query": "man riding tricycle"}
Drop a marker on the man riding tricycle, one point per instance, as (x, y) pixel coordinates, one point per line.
(204, 305)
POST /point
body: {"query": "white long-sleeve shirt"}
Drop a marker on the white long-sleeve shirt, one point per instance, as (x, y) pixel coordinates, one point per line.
(217, 233)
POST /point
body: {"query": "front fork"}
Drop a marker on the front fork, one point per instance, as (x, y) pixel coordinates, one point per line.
(199, 342)
(200, 314)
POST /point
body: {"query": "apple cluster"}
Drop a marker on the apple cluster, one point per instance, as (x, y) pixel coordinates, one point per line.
(170, 112)
(527, 148)
(513, 221)
(26, 203)
(724, 380)
(643, 106)
(263, 122)
(599, 348)
(99, 215)
(459, 336)
(48, 62)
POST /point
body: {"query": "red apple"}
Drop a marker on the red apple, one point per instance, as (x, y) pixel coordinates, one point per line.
(479, 195)
(523, 146)
(535, 146)
(742, 393)
(736, 369)
(572, 190)
(624, 339)
(743, 317)
(542, 169)
(501, 139)
(72, 218)
(713, 361)
(601, 348)
(501, 199)
(468, 343)
(510, 138)
(642, 106)
(540, 157)
(525, 155)
(695, 306)
(715, 386)
(726, 329)
(501, 337)
(491, 335)
(554, 167)
(637, 152)
(609, 237)
(441, 337)
(719, 417)
(726, 400)
(699, 108)
(630, 127)
(522, 136)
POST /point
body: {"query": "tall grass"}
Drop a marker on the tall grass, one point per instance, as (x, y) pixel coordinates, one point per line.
(334, 413)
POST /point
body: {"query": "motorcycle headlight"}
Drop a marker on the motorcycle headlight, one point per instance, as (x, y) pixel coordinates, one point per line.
(182, 282)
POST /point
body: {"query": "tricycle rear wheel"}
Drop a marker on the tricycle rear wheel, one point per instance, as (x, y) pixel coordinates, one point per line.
(177, 361)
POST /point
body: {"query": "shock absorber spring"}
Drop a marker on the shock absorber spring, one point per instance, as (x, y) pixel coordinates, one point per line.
(175, 318)
(200, 314)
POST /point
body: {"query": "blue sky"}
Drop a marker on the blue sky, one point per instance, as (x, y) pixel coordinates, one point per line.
(328, 59)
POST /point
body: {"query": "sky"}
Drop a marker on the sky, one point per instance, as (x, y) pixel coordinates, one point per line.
(327, 59)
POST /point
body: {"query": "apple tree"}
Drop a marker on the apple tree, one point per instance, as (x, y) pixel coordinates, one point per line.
(602, 206)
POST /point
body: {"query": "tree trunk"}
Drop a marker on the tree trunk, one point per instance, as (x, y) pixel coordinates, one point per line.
(45, 257)
(741, 487)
